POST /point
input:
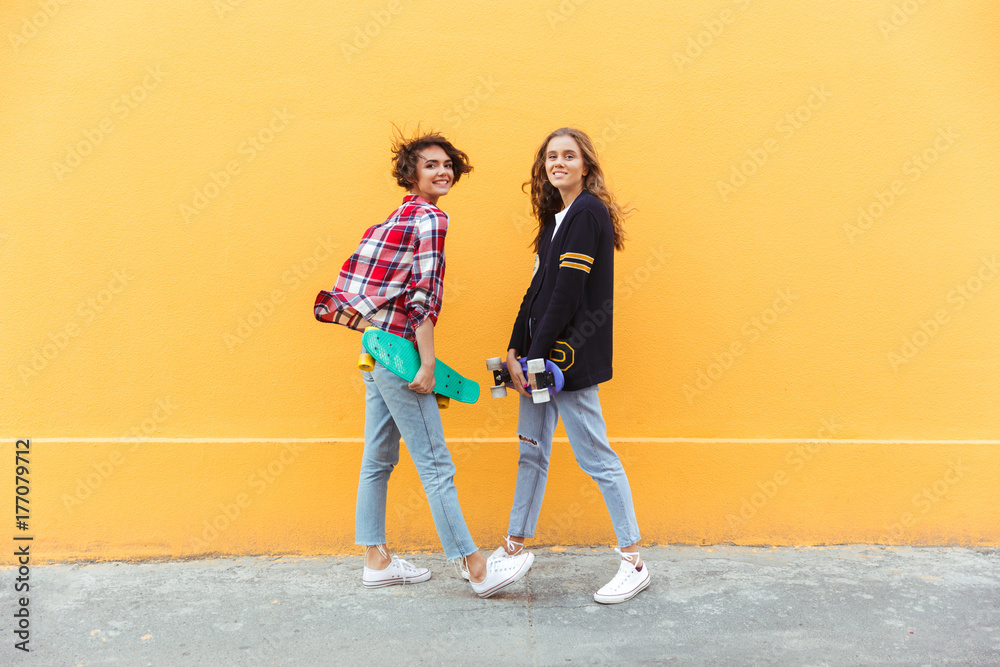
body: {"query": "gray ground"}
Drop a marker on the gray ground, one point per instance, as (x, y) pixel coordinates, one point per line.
(845, 605)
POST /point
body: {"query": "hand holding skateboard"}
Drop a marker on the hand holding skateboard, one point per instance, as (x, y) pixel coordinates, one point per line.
(548, 377)
(400, 356)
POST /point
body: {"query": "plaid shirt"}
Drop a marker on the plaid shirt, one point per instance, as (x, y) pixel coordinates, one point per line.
(395, 279)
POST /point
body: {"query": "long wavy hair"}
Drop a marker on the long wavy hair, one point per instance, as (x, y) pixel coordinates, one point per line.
(546, 200)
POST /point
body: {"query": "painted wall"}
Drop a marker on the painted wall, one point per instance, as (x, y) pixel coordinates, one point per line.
(807, 306)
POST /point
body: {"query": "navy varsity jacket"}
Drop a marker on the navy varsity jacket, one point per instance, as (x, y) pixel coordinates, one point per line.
(566, 314)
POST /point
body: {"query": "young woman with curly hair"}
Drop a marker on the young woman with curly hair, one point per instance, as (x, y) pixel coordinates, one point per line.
(394, 282)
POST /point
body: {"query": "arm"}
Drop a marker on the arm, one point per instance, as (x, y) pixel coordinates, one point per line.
(517, 336)
(521, 321)
(423, 381)
(575, 261)
(425, 292)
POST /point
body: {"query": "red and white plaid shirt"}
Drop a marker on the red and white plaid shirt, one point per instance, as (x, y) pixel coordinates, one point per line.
(395, 279)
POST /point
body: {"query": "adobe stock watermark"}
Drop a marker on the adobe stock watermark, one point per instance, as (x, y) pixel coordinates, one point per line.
(561, 12)
(899, 16)
(463, 109)
(625, 289)
(495, 420)
(786, 127)
(751, 331)
(929, 328)
(257, 483)
(610, 131)
(923, 501)
(88, 484)
(32, 23)
(76, 153)
(711, 30)
(797, 457)
(224, 7)
(914, 168)
(367, 32)
(557, 527)
(292, 278)
(217, 181)
(86, 311)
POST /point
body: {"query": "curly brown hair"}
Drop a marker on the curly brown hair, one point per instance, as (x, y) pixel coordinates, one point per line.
(546, 200)
(405, 152)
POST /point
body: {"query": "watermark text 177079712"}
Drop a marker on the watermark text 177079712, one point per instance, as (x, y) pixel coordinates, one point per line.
(22, 544)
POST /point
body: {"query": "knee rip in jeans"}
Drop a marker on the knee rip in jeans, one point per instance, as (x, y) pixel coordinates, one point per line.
(527, 440)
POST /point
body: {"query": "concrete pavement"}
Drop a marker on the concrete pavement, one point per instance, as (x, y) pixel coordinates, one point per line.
(842, 605)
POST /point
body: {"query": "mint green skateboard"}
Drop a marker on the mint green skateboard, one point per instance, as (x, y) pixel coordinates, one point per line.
(401, 357)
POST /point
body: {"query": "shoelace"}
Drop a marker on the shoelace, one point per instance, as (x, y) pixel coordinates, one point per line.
(404, 567)
(624, 570)
(510, 546)
(628, 555)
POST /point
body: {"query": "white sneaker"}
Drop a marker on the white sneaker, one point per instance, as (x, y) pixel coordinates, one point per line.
(502, 572)
(398, 571)
(628, 583)
(464, 569)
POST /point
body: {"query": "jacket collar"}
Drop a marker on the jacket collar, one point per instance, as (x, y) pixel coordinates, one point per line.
(577, 203)
(573, 208)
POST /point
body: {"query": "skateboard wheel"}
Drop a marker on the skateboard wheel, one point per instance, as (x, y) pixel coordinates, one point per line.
(536, 366)
(498, 391)
(366, 362)
(494, 364)
(442, 401)
(540, 395)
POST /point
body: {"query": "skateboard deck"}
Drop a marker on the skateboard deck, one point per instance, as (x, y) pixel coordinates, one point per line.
(400, 356)
(549, 382)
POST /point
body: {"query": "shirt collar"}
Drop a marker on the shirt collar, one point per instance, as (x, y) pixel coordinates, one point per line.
(410, 197)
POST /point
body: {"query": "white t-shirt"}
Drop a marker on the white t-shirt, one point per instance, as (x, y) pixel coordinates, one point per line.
(559, 218)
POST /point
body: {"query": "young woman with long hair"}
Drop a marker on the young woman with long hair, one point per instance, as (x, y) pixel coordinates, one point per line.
(566, 316)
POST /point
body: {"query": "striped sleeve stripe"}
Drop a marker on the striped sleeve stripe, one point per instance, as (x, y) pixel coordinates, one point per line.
(574, 265)
(576, 255)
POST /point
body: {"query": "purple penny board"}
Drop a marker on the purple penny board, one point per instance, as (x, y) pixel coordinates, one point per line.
(558, 381)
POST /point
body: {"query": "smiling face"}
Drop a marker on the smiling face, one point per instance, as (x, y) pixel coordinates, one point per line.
(434, 174)
(564, 166)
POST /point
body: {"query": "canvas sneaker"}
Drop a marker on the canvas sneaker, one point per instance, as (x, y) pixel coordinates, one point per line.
(399, 571)
(499, 553)
(628, 583)
(502, 572)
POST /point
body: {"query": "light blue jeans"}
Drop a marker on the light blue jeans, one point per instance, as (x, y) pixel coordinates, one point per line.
(392, 410)
(588, 436)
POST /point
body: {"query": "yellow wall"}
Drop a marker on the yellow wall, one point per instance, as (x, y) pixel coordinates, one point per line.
(807, 306)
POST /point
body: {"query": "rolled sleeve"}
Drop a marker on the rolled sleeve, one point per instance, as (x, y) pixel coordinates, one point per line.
(425, 292)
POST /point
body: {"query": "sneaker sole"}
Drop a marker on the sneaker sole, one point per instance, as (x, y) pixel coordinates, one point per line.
(617, 599)
(513, 579)
(396, 582)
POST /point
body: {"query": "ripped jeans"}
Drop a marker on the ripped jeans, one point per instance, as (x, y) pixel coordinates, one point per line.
(588, 436)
